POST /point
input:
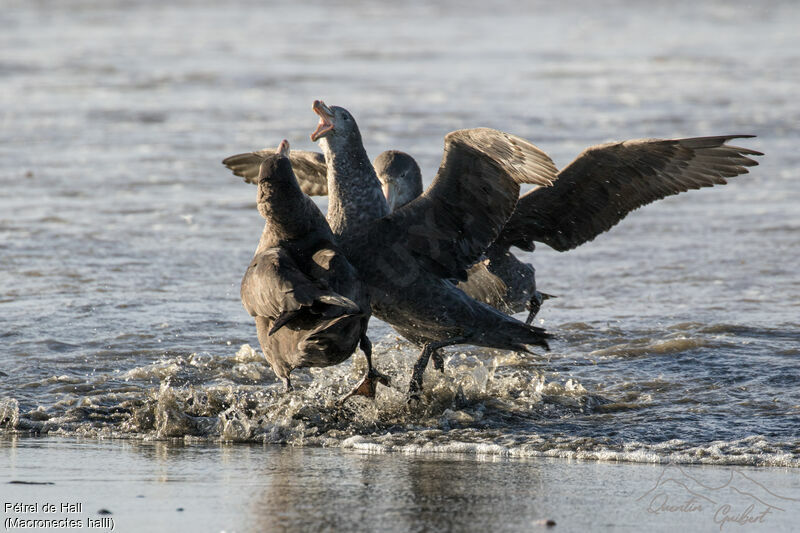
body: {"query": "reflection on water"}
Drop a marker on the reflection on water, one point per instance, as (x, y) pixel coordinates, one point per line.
(398, 494)
(162, 486)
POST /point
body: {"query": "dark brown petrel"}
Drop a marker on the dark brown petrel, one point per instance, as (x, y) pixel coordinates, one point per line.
(412, 258)
(590, 196)
(310, 307)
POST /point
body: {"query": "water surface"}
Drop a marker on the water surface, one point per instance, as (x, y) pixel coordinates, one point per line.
(123, 239)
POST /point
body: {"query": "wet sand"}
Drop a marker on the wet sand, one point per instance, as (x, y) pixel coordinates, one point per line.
(168, 486)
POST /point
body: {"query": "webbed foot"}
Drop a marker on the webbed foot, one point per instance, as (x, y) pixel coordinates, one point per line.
(414, 394)
(368, 385)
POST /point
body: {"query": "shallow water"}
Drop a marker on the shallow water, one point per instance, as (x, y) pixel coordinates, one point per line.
(167, 486)
(123, 239)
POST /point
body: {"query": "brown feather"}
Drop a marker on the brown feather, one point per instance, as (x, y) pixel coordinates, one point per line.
(608, 181)
(309, 168)
(448, 228)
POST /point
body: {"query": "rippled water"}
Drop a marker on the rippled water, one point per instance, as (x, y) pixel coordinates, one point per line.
(123, 239)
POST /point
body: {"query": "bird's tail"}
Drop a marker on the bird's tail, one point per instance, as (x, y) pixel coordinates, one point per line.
(515, 335)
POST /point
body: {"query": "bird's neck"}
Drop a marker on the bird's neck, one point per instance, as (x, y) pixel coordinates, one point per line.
(269, 239)
(354, 192)
(290, 216)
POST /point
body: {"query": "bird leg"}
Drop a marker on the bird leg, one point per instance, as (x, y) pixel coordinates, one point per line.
(535, 304)
(372, 377)
(431, 348)
(438, 361)
(287, 384)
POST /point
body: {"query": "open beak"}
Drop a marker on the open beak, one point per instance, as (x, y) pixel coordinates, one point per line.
(390, 192)
(283, 148)
(325, 125)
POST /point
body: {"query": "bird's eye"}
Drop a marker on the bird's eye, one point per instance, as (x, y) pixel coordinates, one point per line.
(345, 117)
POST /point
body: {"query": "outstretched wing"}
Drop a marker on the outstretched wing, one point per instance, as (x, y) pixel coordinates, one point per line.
(475, 190)
(608, 181)
(274, 287)
(309, 168)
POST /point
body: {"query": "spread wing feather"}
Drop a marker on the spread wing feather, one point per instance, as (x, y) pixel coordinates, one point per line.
(608, 181)
(448, 228)
(309, 168)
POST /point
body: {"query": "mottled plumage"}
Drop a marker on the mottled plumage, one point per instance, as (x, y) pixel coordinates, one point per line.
(409, 257)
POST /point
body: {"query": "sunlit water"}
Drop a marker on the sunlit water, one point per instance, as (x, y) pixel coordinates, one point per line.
(123, 239)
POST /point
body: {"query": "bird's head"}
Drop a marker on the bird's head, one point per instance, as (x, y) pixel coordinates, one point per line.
(400, 177)
(336, 126)
(274, 173)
